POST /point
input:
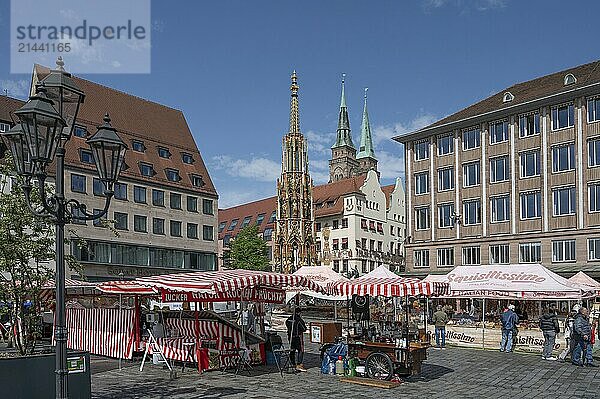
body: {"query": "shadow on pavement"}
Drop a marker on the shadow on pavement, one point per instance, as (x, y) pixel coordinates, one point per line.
(430, 372)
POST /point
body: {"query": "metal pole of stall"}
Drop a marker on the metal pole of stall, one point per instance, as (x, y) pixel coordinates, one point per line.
(334, 310)
(483, 321)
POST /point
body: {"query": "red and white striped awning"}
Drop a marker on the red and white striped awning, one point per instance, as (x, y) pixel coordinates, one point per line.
(72, 287)
(126, 287)
(213, 282)
(388, 287)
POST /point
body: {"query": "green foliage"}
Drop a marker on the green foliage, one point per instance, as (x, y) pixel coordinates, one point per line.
(249, 251)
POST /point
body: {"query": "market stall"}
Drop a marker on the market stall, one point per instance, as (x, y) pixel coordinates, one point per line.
(391, 340)
(479, 294)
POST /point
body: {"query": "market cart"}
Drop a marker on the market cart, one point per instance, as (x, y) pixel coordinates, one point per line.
(388, 339)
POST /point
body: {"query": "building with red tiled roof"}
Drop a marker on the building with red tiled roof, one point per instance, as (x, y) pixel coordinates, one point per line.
(165, 204)
(359, 224)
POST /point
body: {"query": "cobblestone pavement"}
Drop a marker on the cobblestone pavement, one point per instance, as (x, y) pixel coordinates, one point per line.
(451, 373)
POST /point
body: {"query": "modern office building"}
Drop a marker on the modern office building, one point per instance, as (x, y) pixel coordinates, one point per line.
(514, 178)
(165, 205)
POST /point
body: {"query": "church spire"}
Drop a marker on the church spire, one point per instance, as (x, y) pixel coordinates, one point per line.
(344, 137)
(294, 108)
(366, 141)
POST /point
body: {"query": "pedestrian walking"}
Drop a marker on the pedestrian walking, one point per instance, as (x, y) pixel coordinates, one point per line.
(295, 328)
(582, 329)
(509, 321)
(549, 326)
(569, 342)
(440, 319)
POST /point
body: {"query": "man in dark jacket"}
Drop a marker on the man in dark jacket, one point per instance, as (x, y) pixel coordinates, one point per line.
(440, 319)
(582, 335)
(295, 328)
(549, 326)
(509, 321)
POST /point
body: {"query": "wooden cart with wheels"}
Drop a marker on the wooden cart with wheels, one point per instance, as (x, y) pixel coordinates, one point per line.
(383, 360)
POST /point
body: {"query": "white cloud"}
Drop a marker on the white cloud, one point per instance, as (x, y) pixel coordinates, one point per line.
(229, 198)
(320, 143)
(257, 168)
(385, 133)
(15, 88)
(465, 5)
(390, 165)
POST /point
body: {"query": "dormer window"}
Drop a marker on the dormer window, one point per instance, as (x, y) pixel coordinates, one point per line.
(146, 169)
(80, 131)
(137, 145)
(508, 97)
(172, 175)
(86, 156)
(197, 181)
(187, 158)
(570, 79)
(164, 152)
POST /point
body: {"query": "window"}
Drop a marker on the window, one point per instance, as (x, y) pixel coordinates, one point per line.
(98, 187)
(146, 169)
(164, 152)
(471, 256)
(344, 223)
(192, 231)
(422, 183)
(175, 201)
(120, 221)
(158, 226)
(234, 223)
(78, 216)
(207, 207)
(78, 184)
(529, 125)
(137, 145)
(499, 254)
(344, 265)
(445, 257)
(531, 205)
(345, 243)
(498, 132)
(335, 244)
(563, 158)
(471, 139)
(445, 179)
(563, 251)
(445, 215)
(172, 175)
(421, 257)
(593, 248)
(4, 127)
(192, 204)
(562, 116)
(318, 226)
(86, 156)
(594, 197)
(120, 191)
(421, 150)
(187, 158)
(273, 217)
(445, 144)
(593, 109)
(499, 169)
(336, 224)
(260, 218)
(500, 208)
(472, 212)
(564, 201)
(422, 218)
(594, 152)
(175, 228)
(530, 252)
(139, 194)
(197, 181)
(530, 163)
(158, 197)
(471, 174)
(79, 131)
(507, 97)
(246, 222)
(570, 79)
(222, 226)
(336, 266)
(140, 223)
(99, 222)
(268, 234)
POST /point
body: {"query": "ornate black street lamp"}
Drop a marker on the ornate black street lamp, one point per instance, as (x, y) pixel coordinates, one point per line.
(38, 141)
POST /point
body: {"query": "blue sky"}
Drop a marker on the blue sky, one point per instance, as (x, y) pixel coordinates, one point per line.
(226, 64)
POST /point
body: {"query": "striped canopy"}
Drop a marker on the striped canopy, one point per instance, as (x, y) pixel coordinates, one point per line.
(388, 287)
(126, 287)
(77, 287)
(214, 282)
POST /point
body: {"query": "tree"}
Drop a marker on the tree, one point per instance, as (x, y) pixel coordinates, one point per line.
(249, 251)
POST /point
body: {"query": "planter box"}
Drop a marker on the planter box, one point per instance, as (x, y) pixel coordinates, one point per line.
(33, 376)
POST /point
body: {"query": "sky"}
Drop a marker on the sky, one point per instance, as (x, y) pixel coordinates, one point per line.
(227, 66)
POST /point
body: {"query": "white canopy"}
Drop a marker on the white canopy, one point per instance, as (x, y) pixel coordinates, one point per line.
(584, 280)
(380, 272)
(526, 281)
(322, 276)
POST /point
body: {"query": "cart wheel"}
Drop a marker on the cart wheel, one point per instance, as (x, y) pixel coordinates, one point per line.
(379, 366)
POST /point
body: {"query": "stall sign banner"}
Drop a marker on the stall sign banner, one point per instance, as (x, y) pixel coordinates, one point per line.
(255, 294)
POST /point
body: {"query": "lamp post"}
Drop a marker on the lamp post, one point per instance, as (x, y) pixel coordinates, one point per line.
(38, 141)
